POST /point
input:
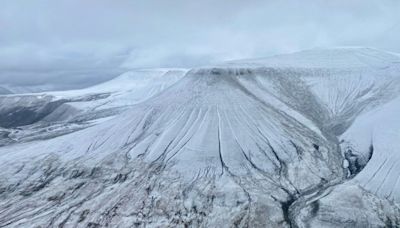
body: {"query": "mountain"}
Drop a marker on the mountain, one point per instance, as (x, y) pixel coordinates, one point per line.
(301, 140)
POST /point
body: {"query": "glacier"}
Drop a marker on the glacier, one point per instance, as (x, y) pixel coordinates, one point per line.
(307, 139)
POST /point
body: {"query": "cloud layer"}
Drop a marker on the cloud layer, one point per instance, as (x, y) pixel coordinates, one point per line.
(44, 36)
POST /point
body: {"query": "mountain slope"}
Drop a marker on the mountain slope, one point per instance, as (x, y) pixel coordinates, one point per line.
(206, 125)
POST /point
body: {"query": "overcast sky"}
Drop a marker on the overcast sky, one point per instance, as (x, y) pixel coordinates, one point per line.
(85, 41)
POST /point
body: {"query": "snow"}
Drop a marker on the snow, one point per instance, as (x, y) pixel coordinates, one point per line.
(249, 143)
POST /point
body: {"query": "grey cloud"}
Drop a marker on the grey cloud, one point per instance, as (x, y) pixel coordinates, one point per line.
(45, 36)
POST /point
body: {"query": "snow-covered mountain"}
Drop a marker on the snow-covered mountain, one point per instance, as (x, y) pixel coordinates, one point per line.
(301, 140)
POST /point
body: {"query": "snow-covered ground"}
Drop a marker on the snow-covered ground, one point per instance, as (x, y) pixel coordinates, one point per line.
(306, 139)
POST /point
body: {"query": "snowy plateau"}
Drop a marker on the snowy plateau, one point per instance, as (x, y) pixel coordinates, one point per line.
(309, 139)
